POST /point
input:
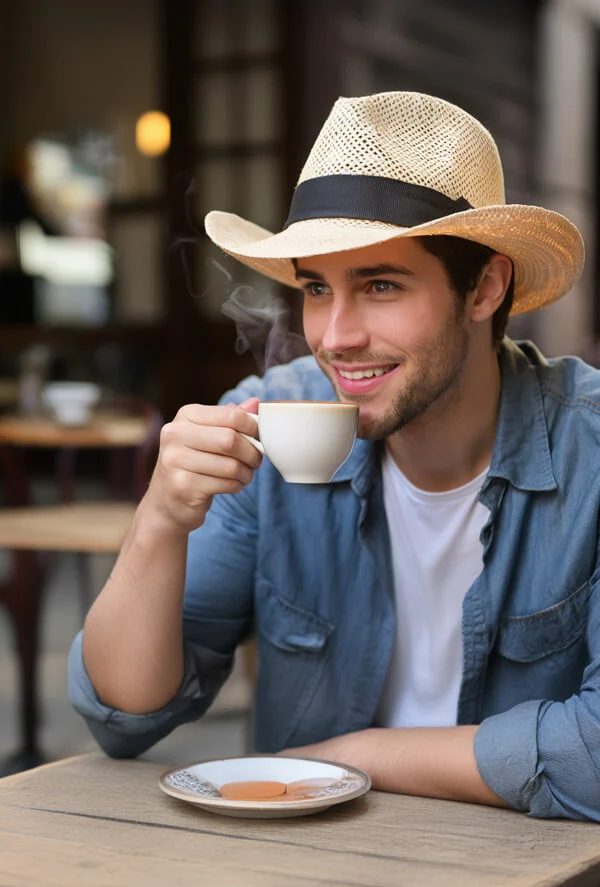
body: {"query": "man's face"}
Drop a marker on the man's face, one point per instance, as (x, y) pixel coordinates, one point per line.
(386, 328)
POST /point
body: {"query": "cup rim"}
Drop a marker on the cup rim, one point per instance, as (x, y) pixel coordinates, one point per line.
(307, 404)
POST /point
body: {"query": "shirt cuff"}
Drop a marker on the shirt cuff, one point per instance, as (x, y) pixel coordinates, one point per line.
(506, 752)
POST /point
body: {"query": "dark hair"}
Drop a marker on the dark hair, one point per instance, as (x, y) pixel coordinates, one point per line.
(463, 261)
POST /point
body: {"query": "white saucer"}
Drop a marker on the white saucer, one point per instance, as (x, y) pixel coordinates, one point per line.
(200, 783)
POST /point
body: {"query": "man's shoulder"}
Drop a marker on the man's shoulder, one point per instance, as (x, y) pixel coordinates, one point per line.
(567, 381)
(301, 379)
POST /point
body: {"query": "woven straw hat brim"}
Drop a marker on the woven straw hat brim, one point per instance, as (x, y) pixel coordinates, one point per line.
(546, 248)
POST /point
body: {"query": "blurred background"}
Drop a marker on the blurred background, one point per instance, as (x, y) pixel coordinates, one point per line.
(125, 121)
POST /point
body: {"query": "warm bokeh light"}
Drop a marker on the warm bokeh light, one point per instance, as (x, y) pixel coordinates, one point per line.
(153, 133)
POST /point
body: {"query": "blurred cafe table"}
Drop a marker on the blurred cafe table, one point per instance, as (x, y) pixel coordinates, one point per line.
(133, 426)
(96, 821)
(105, 428)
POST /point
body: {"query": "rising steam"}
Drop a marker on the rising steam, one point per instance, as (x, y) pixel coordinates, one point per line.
(262, 323)
(263, 327)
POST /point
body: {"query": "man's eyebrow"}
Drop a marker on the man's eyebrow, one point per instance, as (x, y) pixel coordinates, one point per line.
(309, 275)
(356, 273)
(376, 270)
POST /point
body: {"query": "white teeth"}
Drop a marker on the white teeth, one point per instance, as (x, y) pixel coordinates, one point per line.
(365, 374)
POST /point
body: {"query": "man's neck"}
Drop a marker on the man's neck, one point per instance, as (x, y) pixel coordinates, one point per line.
(452, 442)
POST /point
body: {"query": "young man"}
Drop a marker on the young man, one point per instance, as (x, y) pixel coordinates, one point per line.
(432, 614)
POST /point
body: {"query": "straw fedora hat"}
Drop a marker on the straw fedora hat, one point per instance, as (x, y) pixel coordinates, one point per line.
(401, 164)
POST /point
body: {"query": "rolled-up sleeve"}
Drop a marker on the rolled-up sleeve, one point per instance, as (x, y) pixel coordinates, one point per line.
(506, 752)
(125, 735)
(543, 756)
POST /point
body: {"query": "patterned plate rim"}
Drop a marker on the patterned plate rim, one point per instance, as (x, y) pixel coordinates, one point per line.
(183, 795)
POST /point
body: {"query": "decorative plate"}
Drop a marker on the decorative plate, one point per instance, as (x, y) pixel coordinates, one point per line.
(299, 785)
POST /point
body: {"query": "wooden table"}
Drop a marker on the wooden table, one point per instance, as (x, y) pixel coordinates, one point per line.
(89, 527)
(93, 821)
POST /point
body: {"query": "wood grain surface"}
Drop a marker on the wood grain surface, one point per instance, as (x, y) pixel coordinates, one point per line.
(94, 821)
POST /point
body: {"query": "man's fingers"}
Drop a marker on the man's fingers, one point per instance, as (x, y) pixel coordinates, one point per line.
(220, 440)
(207, 465)
(229, 416)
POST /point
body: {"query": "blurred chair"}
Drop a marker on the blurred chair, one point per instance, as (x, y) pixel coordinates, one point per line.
(130, 435)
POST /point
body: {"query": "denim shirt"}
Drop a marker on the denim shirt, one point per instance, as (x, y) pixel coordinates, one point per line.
(308, 568)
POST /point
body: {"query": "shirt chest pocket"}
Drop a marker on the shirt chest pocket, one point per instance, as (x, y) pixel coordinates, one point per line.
(542, 655)
(293, 647)
(550, 631)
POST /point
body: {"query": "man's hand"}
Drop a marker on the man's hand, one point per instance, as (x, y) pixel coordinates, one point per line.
(201, 454)
(434, 762)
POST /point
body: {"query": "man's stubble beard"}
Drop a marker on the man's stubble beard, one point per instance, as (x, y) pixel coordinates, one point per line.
(434, 375)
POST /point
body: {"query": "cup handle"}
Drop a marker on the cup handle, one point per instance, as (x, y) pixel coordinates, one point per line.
(253, 440)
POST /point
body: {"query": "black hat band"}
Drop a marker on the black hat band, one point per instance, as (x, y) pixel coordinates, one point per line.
(371, 198)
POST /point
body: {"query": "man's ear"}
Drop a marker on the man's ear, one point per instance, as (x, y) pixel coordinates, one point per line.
(491, 289)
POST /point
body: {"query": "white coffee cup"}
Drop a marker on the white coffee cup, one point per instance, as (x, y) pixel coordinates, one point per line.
(307, 441)
(71, 402)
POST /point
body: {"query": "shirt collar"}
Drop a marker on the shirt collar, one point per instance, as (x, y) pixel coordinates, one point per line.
(521, 452)
(359, 467)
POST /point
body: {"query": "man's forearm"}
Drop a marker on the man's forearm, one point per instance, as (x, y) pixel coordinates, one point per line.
(132, 642)
(435, 762)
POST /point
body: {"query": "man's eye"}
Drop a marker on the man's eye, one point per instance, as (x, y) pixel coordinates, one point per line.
(382, 286)
(316, 289)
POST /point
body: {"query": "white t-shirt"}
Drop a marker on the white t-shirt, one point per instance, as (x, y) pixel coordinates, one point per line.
(436, 556)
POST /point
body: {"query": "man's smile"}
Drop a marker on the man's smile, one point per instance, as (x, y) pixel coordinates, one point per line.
(353, 379)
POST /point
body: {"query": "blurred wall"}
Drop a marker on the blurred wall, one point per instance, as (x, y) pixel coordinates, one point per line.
(4, 76)
(72, 63)
(567, 152)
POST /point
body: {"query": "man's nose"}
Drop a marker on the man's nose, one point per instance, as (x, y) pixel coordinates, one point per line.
(345, 329)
